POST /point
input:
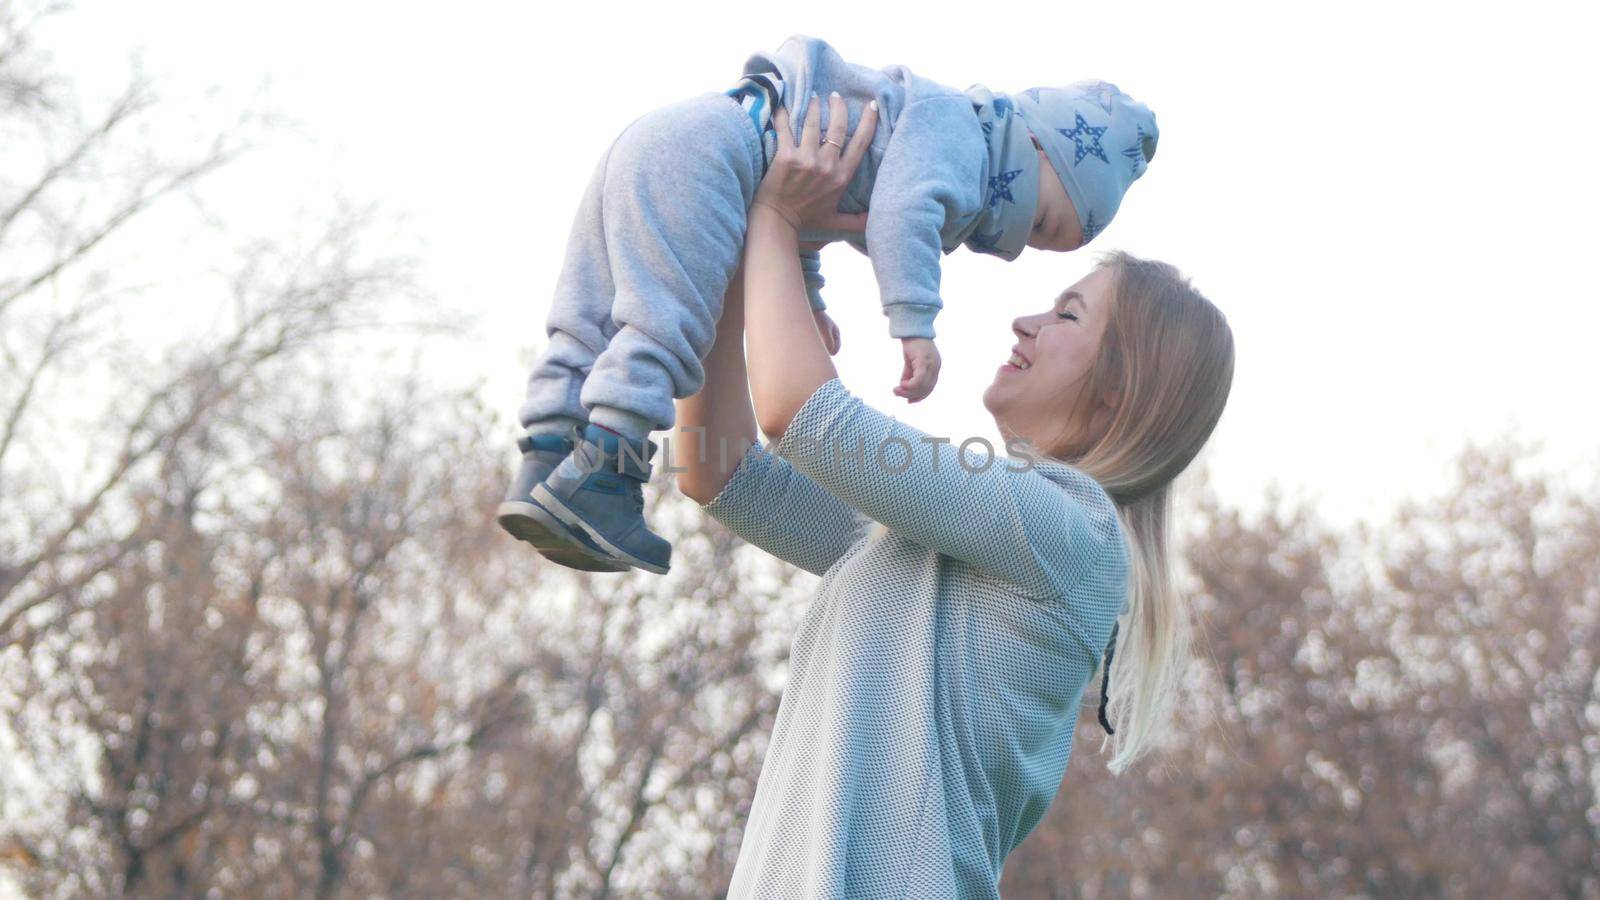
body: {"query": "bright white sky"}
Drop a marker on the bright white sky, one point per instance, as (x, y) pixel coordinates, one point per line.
(1393, 204)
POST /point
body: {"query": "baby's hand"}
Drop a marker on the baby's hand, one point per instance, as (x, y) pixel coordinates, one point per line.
(921, 371)
(828, 330)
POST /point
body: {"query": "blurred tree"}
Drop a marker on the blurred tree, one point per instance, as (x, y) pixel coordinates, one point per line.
(276, 645)
(1407, 710)
(74, 182)
(267, 640)
(328, 671)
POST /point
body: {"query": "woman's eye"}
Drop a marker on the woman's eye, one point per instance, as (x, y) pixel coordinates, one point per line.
(1067, 315)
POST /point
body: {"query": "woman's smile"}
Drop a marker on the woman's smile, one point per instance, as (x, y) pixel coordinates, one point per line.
(1017, 362)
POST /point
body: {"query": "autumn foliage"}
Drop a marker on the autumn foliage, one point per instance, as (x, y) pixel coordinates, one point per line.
(260, 635)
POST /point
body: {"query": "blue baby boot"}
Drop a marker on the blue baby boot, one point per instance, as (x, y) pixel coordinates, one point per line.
(598, 489)
(527, 521)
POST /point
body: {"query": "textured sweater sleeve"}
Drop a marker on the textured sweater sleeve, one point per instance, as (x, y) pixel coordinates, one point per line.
(1004, 518)
(770, 504)
(930, 175)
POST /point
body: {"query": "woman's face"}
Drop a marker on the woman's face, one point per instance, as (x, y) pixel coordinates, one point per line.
(1035, 392)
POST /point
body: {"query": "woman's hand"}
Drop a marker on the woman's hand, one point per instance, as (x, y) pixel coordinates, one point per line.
(804, 182)
(801, 189)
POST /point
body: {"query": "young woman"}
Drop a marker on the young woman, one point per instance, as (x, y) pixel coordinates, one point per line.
(967, 597)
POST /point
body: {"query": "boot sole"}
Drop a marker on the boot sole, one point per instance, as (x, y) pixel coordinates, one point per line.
(567, 515)
(527, 522)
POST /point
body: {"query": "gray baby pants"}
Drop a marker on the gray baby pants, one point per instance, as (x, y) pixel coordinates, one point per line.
(655, 243)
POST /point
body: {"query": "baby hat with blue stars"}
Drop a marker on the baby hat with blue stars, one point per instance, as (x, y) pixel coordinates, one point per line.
(1098, 139)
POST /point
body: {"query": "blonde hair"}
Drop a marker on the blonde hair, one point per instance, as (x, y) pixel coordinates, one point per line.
(1167, 356)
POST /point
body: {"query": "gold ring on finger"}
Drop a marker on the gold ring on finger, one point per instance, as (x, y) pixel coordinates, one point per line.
(833, 142)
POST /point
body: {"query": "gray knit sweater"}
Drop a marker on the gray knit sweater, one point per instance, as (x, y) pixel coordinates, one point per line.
(936, 677)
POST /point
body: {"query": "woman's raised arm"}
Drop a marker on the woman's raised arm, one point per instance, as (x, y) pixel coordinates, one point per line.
(801, 183)
(755, 493)
(802, 188)
(716, 425)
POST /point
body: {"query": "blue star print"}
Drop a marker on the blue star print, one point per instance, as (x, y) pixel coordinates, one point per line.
(1001, 108)
(1101, 93)
(1081, 129)
(984, 243)
(1136, 152)
(1090, 229)
(1000, 187)
(1033, 94)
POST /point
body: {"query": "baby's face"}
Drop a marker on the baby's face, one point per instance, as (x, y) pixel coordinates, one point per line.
(1055, 221)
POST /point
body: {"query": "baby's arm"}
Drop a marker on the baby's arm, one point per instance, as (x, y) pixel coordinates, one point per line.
(929, 176)
(811, 270)
(921, 369)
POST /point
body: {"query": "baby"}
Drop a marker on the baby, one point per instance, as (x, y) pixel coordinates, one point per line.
(660, 231)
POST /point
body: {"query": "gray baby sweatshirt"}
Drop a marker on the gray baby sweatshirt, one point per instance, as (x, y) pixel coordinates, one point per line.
(924, 175)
